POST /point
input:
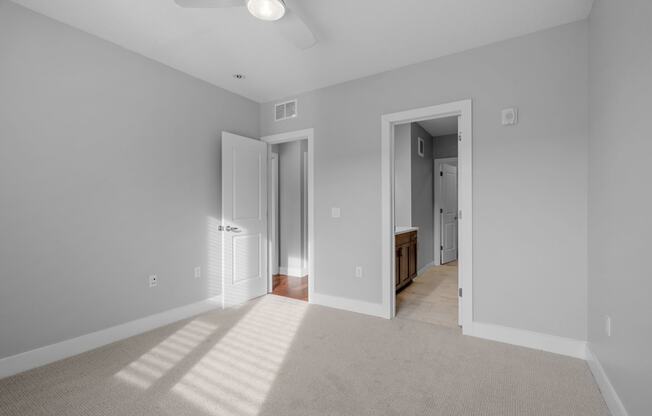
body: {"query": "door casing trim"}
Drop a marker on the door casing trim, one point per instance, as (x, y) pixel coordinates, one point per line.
(463, 109)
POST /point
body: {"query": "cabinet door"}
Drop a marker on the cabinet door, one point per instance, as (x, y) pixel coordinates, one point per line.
(412, 259)
(404, 271)
(397, 275)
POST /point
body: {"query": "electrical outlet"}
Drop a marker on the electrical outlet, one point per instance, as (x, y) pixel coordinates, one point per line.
(335, 212)
(358, 271)
(607, 325)
(197, 272)
(153, 280)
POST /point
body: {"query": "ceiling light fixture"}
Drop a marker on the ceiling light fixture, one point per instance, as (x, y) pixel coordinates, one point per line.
(269, 10)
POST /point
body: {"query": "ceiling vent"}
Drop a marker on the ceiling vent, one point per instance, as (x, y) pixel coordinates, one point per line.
(286, 110)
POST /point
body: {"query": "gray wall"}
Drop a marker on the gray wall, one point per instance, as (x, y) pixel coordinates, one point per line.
(403, 175)
(291, 210)
(423, 195)
(109, 171)
(445, 146)
(530, 220)
(620, 201)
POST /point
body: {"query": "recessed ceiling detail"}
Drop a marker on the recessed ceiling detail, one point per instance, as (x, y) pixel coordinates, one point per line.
(356, 38)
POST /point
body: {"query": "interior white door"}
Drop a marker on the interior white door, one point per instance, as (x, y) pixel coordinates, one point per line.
(244, 219)
(448, 227)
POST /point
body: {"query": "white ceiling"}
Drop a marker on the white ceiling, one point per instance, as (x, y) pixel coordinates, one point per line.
(356, 37)
(440, 126)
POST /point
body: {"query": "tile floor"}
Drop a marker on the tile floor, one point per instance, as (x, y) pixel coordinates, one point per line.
(431, 298)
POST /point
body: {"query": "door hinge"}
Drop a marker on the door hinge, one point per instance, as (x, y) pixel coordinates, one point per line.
(441, 248)
(441, 210)
(441, 173)
(460, 291)
(459, 214)
(459, 136)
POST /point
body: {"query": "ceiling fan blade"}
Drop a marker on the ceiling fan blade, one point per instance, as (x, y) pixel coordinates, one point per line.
(208, 4)
(295, 30)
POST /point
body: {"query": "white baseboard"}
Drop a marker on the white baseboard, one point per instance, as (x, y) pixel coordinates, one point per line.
(426, 267)
(45, 355)
(524, 338)
(351, 305)
(293, 271)
(612, 399)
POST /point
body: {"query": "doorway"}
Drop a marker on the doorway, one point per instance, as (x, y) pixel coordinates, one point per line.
(291, 271)
(425, 217)
(455, 227)
(288, 219)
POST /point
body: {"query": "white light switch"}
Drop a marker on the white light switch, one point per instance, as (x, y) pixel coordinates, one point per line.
(335, 212)
(607, 325)
(358, 271)
(197, 272)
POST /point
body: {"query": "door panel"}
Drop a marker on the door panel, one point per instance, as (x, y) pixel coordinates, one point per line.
(449, 214)
(246, 176)
(244, 219)
(404, 270)
(412, 248)
(246, 249)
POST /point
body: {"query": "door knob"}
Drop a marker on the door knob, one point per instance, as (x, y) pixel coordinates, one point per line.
(234, 229)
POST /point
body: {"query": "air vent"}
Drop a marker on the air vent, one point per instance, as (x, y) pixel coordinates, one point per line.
(286, 110)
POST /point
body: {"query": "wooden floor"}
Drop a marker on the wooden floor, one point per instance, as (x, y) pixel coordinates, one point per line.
(291, 287)
(432, 297)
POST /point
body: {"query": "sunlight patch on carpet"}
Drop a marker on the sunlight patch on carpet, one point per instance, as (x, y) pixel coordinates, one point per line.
(236, 375)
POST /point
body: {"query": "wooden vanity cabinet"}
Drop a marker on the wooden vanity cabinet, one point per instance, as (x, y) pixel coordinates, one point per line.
(406, 258)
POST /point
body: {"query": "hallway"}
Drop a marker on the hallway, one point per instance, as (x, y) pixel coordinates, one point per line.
(432, 297)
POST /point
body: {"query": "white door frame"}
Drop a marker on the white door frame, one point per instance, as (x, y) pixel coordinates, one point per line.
(436, 214)
(307, 134)
(306, 259)
(273, 211)
(465, 200)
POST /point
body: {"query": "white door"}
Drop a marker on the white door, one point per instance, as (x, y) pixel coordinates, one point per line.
(448, 177)
(244, 219)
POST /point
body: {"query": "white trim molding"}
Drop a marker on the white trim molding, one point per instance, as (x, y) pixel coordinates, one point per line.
(45, 355)
(307, 134)
(351, 305)
(529, 339)
(293, 272)
(464, 110)
(615, 405)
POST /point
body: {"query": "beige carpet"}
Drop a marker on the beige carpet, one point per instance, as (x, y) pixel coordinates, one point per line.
(277, 356)
(432, 297)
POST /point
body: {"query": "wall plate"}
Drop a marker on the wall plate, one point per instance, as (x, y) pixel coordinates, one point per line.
(510, 116)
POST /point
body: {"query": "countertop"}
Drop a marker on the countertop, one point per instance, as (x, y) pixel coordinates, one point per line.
(403, 230)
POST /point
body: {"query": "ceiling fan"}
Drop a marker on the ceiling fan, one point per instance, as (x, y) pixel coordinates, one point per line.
(287, 19)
